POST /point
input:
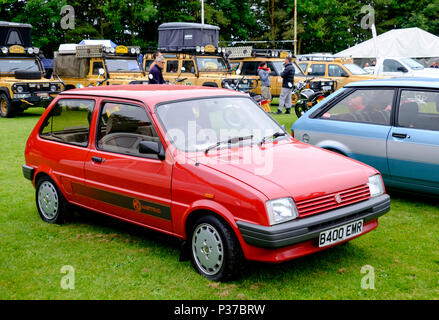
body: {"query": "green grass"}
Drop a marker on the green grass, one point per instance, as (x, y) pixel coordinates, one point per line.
(114, 260)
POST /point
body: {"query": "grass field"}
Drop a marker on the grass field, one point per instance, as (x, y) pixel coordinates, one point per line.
(114, 260)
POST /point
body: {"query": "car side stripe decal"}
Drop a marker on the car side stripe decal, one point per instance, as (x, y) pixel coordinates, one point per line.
(127, 202)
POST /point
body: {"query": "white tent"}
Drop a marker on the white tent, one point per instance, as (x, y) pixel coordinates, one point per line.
(409, 42)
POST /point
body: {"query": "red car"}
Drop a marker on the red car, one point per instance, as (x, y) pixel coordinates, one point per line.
(205, 165)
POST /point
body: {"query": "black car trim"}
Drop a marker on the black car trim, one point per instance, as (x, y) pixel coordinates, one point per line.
(303, 229)
(28, 172)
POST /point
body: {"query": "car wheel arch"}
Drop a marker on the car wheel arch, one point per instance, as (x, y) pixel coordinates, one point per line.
(43, 173)
(335, 146)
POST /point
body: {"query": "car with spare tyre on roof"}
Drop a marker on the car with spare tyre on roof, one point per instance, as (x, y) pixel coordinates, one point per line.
(205, 165)
(22, 84)
(247, 60)
(193, 57)
(98, 62)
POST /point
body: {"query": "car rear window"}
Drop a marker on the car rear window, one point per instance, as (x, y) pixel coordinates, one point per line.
(419, 110)
(69, 122)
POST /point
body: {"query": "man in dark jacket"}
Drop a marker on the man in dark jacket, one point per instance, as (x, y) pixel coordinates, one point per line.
(155, 72)
(287, 86)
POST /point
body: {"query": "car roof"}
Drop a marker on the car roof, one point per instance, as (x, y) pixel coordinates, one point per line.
(152, 94)
(397, 82)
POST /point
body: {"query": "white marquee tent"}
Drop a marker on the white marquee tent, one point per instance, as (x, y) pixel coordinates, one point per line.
(409, 42)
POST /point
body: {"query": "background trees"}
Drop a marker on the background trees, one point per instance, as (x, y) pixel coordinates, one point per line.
(323, 25)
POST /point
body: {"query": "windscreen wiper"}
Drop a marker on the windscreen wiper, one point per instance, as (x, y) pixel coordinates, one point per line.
(228, 141)
(272, 136)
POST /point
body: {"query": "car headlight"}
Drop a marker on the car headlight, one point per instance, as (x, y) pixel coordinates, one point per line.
(19, 89)
(133, 50)
(53, 88)
(36, 50)
(5, 50)
(30, 50)
(281, 210)
(376, 185)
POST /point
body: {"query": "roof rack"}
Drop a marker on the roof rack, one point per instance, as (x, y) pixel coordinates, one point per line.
(248, 51)
(325, 57)
(96, 50)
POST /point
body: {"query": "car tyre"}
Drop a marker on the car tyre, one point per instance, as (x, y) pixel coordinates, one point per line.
(51, 203)
(7, 109)
(215, 251)
(300, 109)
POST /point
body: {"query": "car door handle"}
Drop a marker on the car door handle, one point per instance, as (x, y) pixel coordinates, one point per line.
(97, 159)
(400, 135)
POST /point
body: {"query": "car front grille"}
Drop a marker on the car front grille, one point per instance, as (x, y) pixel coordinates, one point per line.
(331, 201)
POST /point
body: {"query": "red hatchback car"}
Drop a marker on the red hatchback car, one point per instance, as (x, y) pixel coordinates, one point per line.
(205, 165)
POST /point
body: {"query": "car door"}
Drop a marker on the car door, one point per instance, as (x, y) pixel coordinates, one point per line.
(392, 68)
(413, 144)
(120, 180)
(337, 73)
(357, 125)
(65, 144)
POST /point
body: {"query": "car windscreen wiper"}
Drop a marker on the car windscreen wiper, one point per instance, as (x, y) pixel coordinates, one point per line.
(272, 136)
(228, 141)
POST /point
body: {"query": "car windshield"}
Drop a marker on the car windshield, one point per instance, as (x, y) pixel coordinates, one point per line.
(122, 65)
(355, 69)
(279, 65)
(211, 63)
(196, 125)
(412, 64)
(12, 65)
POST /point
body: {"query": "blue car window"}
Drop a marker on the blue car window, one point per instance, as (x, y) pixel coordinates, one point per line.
(363, 105)
(419, 110)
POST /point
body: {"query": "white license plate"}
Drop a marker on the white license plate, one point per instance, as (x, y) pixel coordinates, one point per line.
(326, 88)
(340, 233)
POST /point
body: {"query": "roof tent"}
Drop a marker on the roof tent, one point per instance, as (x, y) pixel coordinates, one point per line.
(12, 33)
(179, 36)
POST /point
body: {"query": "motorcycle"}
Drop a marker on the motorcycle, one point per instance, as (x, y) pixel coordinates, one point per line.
(242, 86)
(305, 98)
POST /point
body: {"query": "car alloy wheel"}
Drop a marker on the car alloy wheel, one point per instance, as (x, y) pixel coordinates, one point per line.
(208, 249)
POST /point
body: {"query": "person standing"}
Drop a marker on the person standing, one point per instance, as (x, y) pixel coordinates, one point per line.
(155, 72)
(264, 76)
(287, 86)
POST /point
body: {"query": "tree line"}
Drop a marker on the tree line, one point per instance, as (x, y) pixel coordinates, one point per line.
(322, 25)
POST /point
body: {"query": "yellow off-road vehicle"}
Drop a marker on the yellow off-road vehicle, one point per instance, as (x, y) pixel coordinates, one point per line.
(341, 70)
(98, 63)
(246, 60)
(193, 56)
(21, 73)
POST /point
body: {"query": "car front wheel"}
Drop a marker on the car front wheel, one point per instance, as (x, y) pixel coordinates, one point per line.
(7, 109)
(215, 251)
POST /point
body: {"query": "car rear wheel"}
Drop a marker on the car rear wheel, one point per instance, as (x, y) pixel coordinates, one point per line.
(51, 204)
(7, 109)
(215, 251)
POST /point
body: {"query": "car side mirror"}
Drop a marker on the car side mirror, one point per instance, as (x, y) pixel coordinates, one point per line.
(344, 75)
(402, 69)
(101, 72)
(151, 147)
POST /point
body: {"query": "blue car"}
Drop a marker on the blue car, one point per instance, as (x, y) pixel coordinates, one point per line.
(389, 124)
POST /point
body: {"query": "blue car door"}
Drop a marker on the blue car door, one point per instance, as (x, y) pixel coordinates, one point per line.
(413, 144)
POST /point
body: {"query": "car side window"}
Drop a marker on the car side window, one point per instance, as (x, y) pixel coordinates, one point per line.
(122, 127)
(172, 66)
(317, 70)
(336, 71)
(69, 122)
(148, 64)
(189, 66)
(419, 110)
(363, 105)
(250, 69)
(390, 65)
(97, 66)
(273, 72)
(303, 66)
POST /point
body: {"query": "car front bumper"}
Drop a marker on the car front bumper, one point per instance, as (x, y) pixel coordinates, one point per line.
(309, 228)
